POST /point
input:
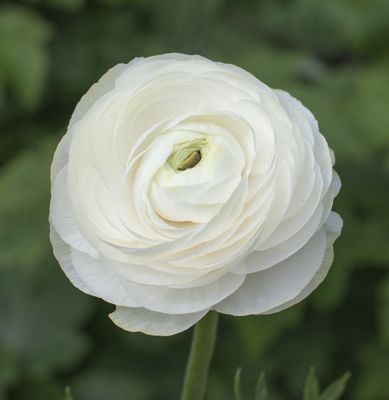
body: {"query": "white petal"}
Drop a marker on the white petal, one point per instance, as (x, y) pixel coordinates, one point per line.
(265, 290)
(336, 184)
(147, 274)
(62, 253)
(103, 282)
(261, 260)
(303, 117)
(62, 217)
(153, 323)
(281, 201)
(333, 227)
(98, 90)
(114, 289)
(61, 156)
(290, 226)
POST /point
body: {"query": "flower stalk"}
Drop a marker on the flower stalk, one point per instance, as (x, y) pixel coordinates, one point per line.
(200, 356)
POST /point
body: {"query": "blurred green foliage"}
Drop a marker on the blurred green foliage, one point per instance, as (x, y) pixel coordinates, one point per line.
(333, 55)
(311, 389)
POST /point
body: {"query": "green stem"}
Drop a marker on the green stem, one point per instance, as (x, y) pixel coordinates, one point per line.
(201, 351)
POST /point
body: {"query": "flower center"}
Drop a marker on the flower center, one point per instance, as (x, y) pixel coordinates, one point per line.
(191, 161)
(187, 155)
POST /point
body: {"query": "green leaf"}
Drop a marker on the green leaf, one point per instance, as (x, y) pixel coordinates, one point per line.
(336, 389)
(261, 388)
(68, 394)
(237, 384)
(311, 387)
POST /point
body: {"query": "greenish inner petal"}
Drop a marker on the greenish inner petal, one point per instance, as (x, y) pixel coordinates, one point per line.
(187, 155)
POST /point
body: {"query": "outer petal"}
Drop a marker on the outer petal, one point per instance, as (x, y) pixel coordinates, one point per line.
(62, 218)
(333, 227)
(114, 289)
(153, 323)
(104, 283)
(98, 90)
(288, 282)
(63, 254)
(261, 260)
(61, 157)
(302, 116)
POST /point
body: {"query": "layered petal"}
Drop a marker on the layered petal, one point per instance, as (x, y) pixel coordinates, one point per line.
(153, 323)
(287, 282)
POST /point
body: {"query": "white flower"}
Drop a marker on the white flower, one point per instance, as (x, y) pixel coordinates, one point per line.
(184, 185)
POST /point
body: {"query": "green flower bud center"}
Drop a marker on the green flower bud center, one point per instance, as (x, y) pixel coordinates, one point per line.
(191, 161)
(187, 155)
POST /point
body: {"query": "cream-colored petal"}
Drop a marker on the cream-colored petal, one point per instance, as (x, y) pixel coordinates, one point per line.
(99, 279)
(333, 227)
(308, 124)
(114, 289)
(261, 260)
(61, 156)
(62, 216)
(265, 290)
(63, 253)
(153, 323)
(98, 90)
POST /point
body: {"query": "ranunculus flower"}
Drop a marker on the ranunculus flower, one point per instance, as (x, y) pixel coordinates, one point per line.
(185, 185)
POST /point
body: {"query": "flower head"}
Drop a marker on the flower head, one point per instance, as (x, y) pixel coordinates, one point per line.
(184, 185)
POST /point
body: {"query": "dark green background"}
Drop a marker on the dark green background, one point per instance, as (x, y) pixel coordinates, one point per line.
(333, 55)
